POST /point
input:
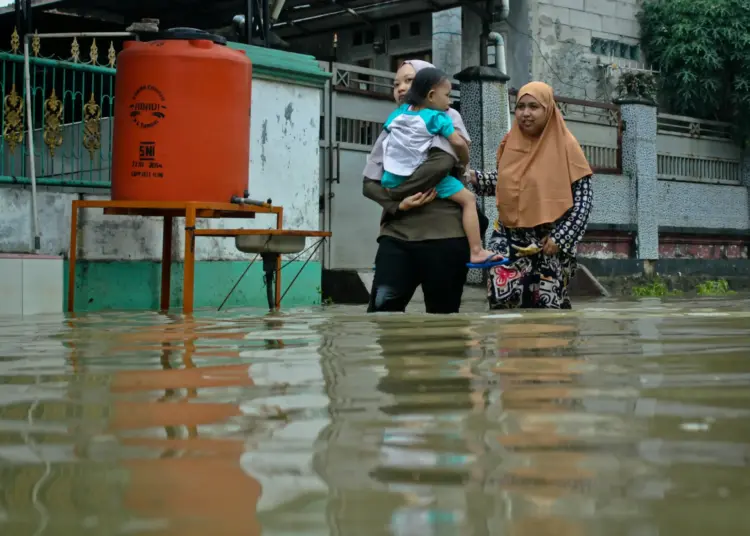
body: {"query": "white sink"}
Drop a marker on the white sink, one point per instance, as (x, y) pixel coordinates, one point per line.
(267, 243)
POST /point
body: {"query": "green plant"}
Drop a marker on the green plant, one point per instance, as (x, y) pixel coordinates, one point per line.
(702, 50)
(714, 288)
(641, 85)
(324, 301)
(655, 288)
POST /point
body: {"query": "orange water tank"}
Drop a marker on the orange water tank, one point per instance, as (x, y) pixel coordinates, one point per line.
(182, 119)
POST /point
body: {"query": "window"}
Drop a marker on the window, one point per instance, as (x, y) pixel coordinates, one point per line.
(608, 47)
(369, 37)
(357, 38)
(394, 32)
(415, 28)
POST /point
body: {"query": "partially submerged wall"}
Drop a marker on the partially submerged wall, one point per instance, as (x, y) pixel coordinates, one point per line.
(118, 264)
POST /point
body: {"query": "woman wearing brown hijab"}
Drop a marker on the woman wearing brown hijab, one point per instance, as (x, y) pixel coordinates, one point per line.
(544, 200)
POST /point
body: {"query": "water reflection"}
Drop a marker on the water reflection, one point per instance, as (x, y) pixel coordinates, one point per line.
(630, 419)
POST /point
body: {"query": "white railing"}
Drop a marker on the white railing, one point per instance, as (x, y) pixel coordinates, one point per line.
(601, 157)
(690, 127)
(696, 150)
(698, 169)
(357, 131)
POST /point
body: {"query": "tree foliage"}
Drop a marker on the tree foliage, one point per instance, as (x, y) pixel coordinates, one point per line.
(702, 49)
(637, 84)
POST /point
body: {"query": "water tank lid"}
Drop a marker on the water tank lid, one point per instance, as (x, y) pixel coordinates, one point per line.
(188, 34)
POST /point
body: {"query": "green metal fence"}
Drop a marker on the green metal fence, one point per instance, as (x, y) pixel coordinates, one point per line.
(72, 109)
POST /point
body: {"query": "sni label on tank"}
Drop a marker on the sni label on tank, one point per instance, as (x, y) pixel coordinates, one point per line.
(147, 166)
(148, 106)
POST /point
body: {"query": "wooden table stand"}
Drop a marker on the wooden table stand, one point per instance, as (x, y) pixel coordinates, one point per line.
(191, 211)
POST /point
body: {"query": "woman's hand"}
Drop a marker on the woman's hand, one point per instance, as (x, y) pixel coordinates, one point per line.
(527, 251)
(549, 247)
(417, 200)
(471, 176)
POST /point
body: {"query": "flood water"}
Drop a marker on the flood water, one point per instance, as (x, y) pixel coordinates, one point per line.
(618, 418)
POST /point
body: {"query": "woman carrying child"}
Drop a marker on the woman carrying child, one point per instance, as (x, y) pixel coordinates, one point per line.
(411, 129)
(422, 239)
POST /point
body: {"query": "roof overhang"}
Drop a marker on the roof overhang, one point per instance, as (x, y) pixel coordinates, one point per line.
(304, 17)
(297, 18)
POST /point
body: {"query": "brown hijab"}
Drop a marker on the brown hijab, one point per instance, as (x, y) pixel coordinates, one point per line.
(535, 174)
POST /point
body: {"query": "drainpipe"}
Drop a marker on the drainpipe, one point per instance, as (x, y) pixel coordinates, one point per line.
(30, 128)
(498, 39)
(488, 19)
(505, 10)
(500, 62)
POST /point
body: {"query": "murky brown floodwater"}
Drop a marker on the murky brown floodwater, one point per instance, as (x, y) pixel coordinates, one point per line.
(615, 419)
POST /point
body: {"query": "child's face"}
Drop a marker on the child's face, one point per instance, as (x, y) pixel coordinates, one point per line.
(439, 97)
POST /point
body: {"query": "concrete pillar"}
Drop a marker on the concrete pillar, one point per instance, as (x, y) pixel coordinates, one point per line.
(639, 162)
(484, 97)
(446, 40)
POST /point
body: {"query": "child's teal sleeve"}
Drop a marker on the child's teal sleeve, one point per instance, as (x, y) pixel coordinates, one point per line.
(439, 124)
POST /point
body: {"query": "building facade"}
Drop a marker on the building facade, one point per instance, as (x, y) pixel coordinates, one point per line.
(577, 46)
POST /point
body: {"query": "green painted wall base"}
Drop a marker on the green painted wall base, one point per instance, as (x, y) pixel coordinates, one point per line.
(135, 285)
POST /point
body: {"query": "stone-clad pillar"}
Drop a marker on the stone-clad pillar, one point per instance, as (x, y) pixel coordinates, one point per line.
(484, 97)
(639, 162)
(745, 175)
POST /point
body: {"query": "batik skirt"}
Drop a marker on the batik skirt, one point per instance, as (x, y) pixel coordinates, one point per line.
(534, 281)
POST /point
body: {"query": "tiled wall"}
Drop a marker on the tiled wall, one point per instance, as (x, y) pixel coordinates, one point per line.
(30, 284)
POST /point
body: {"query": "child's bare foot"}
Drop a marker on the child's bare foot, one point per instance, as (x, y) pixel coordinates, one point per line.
(484, 255)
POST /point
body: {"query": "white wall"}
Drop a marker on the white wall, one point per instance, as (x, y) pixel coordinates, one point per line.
(283, 166)
(30, 284)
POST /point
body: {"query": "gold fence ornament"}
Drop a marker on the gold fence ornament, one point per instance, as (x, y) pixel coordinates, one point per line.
(36, 44)
(111, 55)
(53, 122)
(94, 53)
(75, 51)
(92, 134)
(15, 41)
(13, 128)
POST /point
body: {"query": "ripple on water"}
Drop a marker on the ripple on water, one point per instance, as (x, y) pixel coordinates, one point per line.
(622, 418)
